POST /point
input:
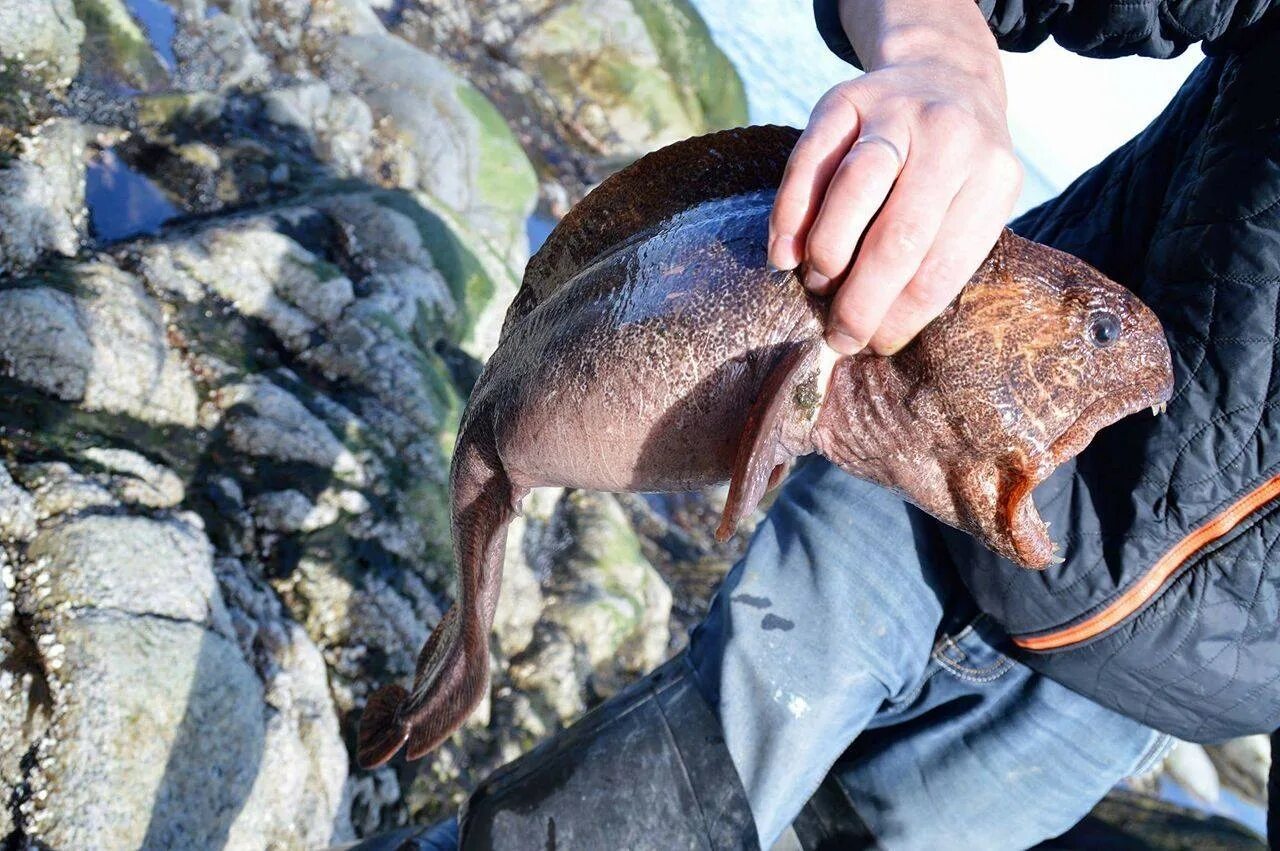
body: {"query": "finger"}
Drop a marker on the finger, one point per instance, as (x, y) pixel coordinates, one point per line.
(861, 183)
(971, 226)
(896, 244)
(832, 129)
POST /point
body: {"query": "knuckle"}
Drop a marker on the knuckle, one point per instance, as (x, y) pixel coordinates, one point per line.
(804, 160)
(932, 290)
(849, 320)
(901, 238)
(824, 255)
(1006, 167)
(839, 97)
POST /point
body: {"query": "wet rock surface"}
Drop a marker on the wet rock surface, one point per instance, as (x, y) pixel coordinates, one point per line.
(251, 258)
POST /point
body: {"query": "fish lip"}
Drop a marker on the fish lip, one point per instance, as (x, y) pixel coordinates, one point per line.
(1107, 411)
(1027, 529)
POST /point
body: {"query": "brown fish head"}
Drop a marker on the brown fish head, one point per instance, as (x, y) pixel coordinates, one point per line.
(1037, 354)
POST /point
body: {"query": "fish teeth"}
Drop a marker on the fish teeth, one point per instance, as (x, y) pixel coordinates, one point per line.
(1159, 408)
(1056, 557)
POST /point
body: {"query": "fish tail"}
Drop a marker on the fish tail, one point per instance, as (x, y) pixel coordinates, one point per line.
(453, 668)
(381, 732)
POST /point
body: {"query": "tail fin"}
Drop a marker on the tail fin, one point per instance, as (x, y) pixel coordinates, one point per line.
(381, 734)
(453, 668)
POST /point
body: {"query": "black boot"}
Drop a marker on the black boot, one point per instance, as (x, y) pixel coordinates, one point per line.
(645, 771)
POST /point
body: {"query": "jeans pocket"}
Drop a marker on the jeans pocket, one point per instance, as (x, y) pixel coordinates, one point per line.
(968, 655)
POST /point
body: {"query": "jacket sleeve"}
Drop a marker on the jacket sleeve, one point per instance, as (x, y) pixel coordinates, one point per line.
(1101, 28)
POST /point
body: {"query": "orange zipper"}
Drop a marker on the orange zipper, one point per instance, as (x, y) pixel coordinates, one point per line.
(1138, 596)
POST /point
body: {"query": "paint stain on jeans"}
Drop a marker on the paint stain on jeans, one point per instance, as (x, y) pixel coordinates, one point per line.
(752, 601)
(772, 621)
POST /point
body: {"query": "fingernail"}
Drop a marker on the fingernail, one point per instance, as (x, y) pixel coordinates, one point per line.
(843, 343)
(782, 252)
(816, 281)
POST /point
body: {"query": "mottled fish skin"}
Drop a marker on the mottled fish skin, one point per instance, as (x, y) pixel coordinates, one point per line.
(651, 348)
(637, 375)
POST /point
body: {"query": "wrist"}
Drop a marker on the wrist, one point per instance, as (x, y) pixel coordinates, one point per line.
(942, 33)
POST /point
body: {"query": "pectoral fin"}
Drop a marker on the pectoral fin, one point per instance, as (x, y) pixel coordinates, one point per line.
(762, 460)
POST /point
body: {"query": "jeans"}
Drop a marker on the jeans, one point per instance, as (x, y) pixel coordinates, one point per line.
(843, 642)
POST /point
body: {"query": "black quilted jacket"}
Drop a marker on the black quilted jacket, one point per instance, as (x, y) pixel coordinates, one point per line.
(1168, 605)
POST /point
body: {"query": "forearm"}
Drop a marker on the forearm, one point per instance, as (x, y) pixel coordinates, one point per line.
(951, 33)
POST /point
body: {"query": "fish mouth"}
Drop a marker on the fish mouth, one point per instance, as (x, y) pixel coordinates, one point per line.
(1028, 531)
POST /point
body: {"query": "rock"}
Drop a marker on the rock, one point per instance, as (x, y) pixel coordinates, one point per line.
(44, 38)
(266, 421)
(42, 195)
(1243, 765)
(116, 48)
(134, 371)
(122, 565)
(1190, 767)
(338, 126)
(606, 596)
(291, 511)
(57, 489)
(1139, 823)
(57, 360)
(103, 345)
(423, 271)
(223, 502)
(462, 154)
(217, 53)
(141, 482)
(262, 273)
(634, 74)
(152, 699)
(17, 518)
(590, 84)
(554, 675)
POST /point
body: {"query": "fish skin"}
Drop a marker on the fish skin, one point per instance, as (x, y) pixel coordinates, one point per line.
(670, 356)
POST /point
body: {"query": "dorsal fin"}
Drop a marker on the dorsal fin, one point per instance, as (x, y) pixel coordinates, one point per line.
(653, 188)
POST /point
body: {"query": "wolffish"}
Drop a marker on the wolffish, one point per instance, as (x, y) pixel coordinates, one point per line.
(651, 348)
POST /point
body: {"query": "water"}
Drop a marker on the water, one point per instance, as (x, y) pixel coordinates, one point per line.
(538, 227)
(160, 24)
(122, 202)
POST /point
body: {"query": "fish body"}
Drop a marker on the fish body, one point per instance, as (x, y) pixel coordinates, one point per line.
(637, 373)
(651, 348)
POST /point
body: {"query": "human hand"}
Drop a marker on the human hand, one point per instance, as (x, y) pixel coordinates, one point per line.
(909, 167)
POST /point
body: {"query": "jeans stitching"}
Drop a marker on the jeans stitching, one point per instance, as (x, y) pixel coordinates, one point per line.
(910, 697)
(968, 673)
(978, 675)
(1150, 758)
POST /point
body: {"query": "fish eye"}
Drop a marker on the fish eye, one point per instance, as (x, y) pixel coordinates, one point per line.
(1104, 329)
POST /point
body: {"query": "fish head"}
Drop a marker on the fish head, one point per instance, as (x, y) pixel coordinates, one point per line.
(1037, 354)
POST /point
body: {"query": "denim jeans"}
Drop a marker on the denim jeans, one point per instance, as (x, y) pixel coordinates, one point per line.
(843, 642)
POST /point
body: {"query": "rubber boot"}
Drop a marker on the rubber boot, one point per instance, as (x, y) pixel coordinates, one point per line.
(829, 822)
(647, 770)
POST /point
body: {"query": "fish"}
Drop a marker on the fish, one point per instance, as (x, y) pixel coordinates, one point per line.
(652, 348)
